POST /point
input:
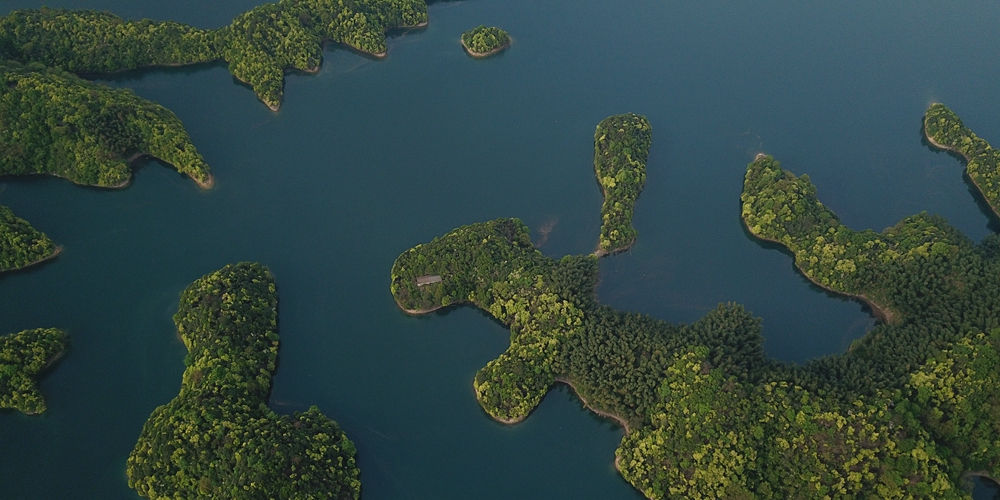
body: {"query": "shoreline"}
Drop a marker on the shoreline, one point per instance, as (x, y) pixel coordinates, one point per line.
(883, 314)
(980, 473)
(55, 253)
(606, 414)
(942, 147)
(600, 252)
(206, 184)
(482, 55)
(417, 312)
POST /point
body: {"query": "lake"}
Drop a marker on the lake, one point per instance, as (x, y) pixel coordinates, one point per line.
(370, 157)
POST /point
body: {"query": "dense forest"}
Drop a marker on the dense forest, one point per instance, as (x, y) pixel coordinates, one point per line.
(621, 148)
(52, 122)
(87, 41)
(20, 244)
(218, 438)
(22, 357)
(259, 45)
(483, 41)
(945, 130)
(908, 411)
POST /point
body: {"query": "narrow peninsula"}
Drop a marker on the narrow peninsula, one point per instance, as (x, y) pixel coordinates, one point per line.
(22, 357)
(485, 41)
(944, 130)
(621, 148)
(907, 412)
(218, 438)
(260, 45)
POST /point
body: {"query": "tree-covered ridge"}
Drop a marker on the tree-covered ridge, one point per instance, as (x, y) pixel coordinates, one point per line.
(52, 122)
(621, 148)
(218, 438)
(22, 356)
(908, 411)
(20, 244)
(87, 41)
(483, 41)
(945, 130)
(259, 45)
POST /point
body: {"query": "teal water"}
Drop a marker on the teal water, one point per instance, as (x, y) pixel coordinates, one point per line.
(368, 158)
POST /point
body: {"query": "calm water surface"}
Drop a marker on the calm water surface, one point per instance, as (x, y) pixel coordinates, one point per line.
(368, 158)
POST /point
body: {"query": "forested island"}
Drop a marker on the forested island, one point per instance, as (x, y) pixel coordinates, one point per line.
(218, 438)
(22, 357)
(484, 41)
(53, 122)
(260, 45)
(907, 412)
(621, 148)
(945, 130)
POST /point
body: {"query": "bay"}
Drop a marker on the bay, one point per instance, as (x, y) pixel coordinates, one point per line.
(370, 157)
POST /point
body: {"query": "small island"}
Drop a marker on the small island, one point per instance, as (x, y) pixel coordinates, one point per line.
(484, 41)
(621, 148)
(218, 438)
(907, 412)
(22, 357)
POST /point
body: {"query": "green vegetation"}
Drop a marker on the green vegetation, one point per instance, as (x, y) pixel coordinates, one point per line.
(218, 438)
(22, 357)
(621, 147)
(956, 396)
(87, 41)
(494, 266)
(782, 208)
(260, 45)
(945, 130)
(20, 244)
(52, 122)
(908, 411)
(263, 43)
(483, 41)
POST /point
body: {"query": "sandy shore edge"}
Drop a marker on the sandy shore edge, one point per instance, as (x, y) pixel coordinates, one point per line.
(50, 256)
(481, 55)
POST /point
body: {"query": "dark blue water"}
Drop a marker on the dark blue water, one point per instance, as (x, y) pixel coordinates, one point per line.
(368, 158)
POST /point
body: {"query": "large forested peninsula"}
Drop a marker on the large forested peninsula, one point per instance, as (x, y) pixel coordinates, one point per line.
(621, 148)
(945, 130)
(20, 244)
(22, 357)
(52, 122)
(218, 438)
(259, 45)
(907, 412)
